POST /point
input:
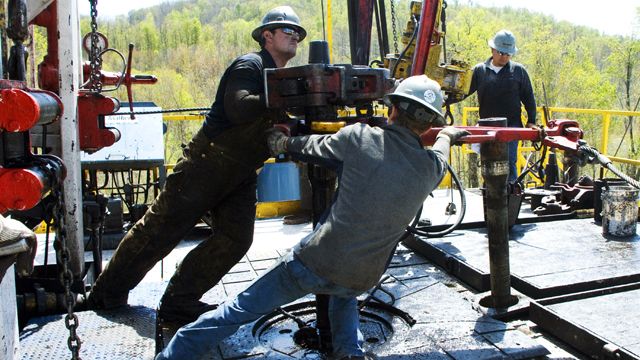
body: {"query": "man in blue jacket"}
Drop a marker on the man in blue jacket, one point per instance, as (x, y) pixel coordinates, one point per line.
(503, 86)
(384, 177)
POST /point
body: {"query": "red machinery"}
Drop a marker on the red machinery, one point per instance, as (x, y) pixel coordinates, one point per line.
(561, 134)
(24, 177)
(92, 105)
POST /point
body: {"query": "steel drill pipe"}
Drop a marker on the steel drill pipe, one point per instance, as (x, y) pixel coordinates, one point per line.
(494, 156)
(495, 170)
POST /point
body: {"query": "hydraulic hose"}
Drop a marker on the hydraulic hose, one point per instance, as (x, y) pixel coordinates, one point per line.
(530, 168)
(463, 208)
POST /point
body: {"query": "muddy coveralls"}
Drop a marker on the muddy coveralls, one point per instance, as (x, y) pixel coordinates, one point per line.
(217, 172)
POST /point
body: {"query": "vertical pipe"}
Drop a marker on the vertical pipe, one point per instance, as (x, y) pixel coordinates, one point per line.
(322, 185)
(69, 69)
(383, 29)
(360, 16)
(425, 34)
(605, 133)
(1, 47)
(329, 32)
(495, 170)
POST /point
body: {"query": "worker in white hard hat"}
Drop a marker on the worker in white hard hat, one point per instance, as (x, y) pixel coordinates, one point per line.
(385, 175)
(216, 175)
(503, 86)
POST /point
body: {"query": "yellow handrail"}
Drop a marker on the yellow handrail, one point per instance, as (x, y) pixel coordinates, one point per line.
(465, 121)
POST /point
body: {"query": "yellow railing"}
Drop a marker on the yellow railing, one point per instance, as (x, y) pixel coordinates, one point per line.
(168, 118)
(469, 113)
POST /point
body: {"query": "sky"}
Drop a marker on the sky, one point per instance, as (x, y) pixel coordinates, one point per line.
(613, 17)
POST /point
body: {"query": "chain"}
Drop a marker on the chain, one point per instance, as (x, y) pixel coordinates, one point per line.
(66, 276)
(95, 61)
(393, 27)
(163, 111)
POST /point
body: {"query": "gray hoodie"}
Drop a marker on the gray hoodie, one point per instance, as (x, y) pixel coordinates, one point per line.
(385, 175)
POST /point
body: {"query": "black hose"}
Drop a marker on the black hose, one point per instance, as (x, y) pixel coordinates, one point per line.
(463, 208)
(413, 37)
(528, 169)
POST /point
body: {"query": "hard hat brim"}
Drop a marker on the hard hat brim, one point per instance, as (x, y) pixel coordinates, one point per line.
(257, 32)
(510, 51)
(389, 99)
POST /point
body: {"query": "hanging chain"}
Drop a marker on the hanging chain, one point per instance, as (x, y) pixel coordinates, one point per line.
(393, 27)
(95, 61)
(66, 276)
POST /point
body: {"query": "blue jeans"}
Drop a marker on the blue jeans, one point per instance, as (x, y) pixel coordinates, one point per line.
(513, 159)
(287, 281)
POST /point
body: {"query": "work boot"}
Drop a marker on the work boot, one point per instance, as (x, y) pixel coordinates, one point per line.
(181, 313)
(97, 301)
(367, 356)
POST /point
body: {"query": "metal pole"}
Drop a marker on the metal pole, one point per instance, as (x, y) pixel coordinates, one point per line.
(425, 34)
(69, 62)
(495, 170)
(322, 185)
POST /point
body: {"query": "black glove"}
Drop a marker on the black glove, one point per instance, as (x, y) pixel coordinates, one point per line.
(453, 133)
(276, 141)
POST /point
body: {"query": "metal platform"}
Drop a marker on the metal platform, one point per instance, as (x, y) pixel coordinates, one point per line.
(547, 259)
(449, 324)
(602, 324)
(124, 334)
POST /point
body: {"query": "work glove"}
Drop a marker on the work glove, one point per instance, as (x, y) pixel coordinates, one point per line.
(11, 234)
(277, 141)
(454, 134)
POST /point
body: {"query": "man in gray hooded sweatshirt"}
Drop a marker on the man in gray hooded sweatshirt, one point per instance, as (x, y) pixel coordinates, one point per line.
(385, 174)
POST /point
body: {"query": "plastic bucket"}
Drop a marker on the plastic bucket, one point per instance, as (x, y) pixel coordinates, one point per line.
(279, 181)
(619, 211)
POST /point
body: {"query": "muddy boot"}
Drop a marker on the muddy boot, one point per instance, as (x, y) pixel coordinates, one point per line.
(367, 356)
(177, 313)
(100, 301)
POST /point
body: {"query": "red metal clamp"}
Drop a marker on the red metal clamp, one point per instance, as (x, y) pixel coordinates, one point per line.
(562, 134)
(93, 133)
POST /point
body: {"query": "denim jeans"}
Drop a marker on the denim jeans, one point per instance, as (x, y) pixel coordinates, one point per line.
(285, 282)
(513, 159)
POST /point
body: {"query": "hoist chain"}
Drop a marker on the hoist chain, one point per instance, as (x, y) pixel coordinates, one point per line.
(66, 276)
(95, 60)
(394, 27)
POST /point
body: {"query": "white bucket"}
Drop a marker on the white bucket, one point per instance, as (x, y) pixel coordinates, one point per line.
(619, 211)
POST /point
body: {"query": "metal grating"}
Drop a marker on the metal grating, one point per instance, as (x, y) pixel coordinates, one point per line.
(125, 334)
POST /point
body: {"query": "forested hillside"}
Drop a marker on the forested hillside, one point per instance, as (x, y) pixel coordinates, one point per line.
(187, 45)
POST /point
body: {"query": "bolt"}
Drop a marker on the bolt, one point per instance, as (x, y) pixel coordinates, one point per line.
(18, 204)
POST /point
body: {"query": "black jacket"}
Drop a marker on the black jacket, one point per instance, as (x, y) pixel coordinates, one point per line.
(240, 95)
(501, 94)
